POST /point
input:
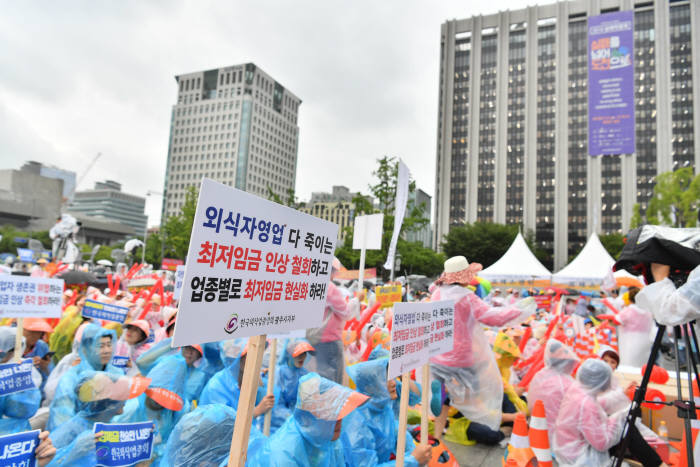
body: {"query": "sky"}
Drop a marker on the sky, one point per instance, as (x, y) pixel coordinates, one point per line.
(82, 77)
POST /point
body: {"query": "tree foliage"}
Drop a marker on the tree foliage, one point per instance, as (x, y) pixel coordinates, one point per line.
(675, 200)
(481, 242)
(290, 201)
(613, 243)
(178, 229)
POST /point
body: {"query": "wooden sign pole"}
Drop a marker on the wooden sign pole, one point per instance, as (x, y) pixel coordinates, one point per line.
(425, 402)
(270, 384)
(246, 401)
(401, 441)
(18, 340)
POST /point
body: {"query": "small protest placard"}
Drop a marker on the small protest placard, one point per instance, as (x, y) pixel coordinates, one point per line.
(367, 232)
(442, 327)
(18, 449)
(387, 295)
(25, 255)
(16, 377)
(119, 361)
(253, 267)
(106, 311)
(410, 337)
(123, 444)
(170, 264)
(30, 297)
(179, 278)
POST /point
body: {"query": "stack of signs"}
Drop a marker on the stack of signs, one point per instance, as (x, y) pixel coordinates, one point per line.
(105, 311)
(420, 331)
(30, 297)
(387, 295)
(16, 377)
(18, 449)
(179, 278)
(253, 267)
(123, 444)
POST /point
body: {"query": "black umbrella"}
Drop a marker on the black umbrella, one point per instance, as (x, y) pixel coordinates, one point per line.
(77, 277)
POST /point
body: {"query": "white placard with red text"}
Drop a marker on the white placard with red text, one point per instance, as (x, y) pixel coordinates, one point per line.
(253, 267)
(30, 297)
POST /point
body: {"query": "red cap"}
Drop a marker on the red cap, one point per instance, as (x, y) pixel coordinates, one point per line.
(302, 347)
(141, 324)
(37, 324)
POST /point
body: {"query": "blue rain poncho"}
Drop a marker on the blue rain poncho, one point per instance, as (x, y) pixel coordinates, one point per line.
(147, 360)
(65, 402)
(203, 438)
(195, 381)
(17, 408)
(79, 453)
(211, 360)
(374, 427)
(169, 373)
(306, 438)
(288, 378)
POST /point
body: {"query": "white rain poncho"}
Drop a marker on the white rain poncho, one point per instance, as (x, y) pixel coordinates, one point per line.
(671, 306)
(635, 335)
(584, 432)
(469, 372)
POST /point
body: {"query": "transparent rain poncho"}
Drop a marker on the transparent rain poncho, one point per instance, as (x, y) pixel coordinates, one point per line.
(65, 402)
(584, 432)
(148, 359)
(17, 408)
(551, 383)
(65, 364)
(223, 387)
(671, 306)
(288, 377)
(469, 372)
(374, 427)
(203, 438)
(61, 339)
(635, 335)
(306, 438)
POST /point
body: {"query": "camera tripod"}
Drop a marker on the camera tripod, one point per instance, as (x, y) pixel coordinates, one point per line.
(685, 408)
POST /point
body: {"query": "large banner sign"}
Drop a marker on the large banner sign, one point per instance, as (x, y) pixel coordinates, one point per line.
(30, 297)
(253, 267)
(611, 84)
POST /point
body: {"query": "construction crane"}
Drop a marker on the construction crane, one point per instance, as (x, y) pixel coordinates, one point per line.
(82, 176)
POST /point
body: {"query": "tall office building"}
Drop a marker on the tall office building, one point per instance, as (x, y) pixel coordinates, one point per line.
(108, 201)
(236, 125)
(513, 119)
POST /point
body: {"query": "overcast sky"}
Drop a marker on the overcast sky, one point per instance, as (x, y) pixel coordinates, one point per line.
(78, 78)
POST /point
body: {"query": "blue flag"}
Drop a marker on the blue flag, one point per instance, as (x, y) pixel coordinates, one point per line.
(123, 444)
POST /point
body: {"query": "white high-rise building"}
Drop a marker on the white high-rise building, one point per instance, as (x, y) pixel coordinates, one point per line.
(235, 125)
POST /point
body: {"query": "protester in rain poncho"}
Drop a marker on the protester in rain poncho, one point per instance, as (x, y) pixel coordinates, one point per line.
(203, 438)
(96, 351)
(195, 379)
(133, 343)
(148, 359)
(551, 383)
(290, 371)
(469, 372)
(65, 364)
(163, 401)
(635, 333)
(507, 352)
(310, 436)
(17, 408)
(372, 430)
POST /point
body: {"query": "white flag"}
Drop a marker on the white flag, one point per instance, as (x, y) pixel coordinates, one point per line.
(399, 212)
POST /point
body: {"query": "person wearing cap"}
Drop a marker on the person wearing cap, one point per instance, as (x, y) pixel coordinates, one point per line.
(311, 436)
(291, 370)
(133, 343)
(469, 373)
(17, 408)
(195, 378)
(551, 383)
(34, 331)
(96, 351)
(372, 430)
(584, 435)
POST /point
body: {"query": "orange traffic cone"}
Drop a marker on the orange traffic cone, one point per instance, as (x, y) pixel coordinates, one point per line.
(519, 445)
(539, 436)
(679, 459)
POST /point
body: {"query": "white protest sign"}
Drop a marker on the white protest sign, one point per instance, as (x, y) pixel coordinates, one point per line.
(410, 337)
(442, 327)
(30, 297)
(253, 267)
(179, 278)
(367, 233)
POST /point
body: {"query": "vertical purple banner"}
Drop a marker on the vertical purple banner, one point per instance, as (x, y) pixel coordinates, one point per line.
(611, 84)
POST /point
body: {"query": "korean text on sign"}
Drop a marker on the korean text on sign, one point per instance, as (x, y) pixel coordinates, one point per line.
(442, 327)
(30, 297)
(179, 279)
(253, 267)
(105, 311)
(410, 337)
(123, 444)
(18, 449)
(387, 295)
(16, 377)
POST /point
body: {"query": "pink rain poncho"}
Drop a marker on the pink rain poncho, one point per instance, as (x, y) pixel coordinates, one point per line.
(584, 432)
(635, 335)
(469, 372)
(552, 382)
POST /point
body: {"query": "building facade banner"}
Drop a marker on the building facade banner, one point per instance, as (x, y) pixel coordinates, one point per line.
(611, 84)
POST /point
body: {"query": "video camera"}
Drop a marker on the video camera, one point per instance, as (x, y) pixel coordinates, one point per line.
(675, 247)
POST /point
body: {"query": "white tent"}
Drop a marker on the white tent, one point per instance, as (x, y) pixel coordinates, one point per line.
(590, 267)
(517, 264)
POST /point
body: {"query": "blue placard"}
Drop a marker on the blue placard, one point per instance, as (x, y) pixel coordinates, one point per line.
(123, 444)
(25, 254)
(106, 311)
(119, 362)
(16, 377)
(17, 450)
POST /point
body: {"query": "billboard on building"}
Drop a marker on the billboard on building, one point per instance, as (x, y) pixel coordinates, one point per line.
(611, 83)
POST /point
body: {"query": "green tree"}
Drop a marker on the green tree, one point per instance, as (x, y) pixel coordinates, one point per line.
(291, 200)
(675, 199)
(636, 219)
(613, 243)
(178, 229)
(481, 242)
(153, 248)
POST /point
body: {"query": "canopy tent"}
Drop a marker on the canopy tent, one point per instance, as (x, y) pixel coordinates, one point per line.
(517, 264)
(590, 267)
